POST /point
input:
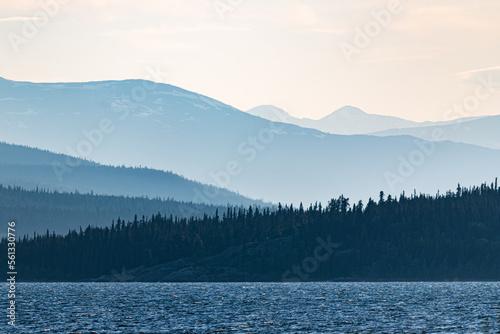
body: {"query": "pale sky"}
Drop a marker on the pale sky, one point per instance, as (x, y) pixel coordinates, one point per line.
(288, 53)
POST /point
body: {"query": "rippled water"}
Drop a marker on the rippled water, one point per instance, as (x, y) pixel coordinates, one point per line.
(256, 307)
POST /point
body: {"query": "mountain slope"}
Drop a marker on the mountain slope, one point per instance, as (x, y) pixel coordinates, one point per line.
(347, 121)
(481, 132)
(30, 168)
(350, 120)
(40, 210)
(275, 114)
(136, 122)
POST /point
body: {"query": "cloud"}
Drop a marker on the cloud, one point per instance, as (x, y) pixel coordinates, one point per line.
(166, 37)
(327, 31)
(302, 15)
(296, 17)
(430, 18)
(482, 72)
(396, 58)
(173, 30)
(20, 19)
(18, 5)
(201, 28)
(150, 39)
(152, 9)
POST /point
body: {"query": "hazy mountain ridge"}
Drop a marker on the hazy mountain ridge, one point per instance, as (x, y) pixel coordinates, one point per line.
(40, 210)
(481, 132)
(348, 121)
(169, 128)
(30, 168)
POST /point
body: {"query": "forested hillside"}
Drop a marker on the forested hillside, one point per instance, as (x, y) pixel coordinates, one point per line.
(32, 168)
(41, 210)
(452, 236)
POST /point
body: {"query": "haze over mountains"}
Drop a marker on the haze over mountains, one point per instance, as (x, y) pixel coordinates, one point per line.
(482, 132)
(39, 210)
(32, 168)
(347, 121)
(140, 123)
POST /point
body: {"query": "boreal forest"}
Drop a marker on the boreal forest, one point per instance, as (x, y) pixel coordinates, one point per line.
(451, 236)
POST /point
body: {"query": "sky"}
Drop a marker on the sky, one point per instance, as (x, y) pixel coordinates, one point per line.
(417, 60)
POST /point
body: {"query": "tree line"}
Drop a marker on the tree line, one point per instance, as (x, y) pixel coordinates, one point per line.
(451, 236)
(40, 209)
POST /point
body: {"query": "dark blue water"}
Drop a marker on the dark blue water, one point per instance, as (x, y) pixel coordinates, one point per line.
(256, 308)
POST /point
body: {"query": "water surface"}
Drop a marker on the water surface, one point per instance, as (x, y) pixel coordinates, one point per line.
(256, 308)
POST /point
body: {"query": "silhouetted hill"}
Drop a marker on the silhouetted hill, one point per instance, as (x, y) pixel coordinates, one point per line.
(40, 210)
(452, 236)
(30, 168)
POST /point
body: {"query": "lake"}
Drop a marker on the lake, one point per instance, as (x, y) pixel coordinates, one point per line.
(256, 308)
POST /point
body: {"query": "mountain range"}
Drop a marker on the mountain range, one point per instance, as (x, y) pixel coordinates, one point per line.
(481, 132)
(345, 121)
(141, 123)
(33, 168)
(351, 121)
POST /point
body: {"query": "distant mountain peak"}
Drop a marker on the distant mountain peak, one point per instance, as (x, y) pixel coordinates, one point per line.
(350, 109)
(273, 113)
(347, 111)
(348, 120)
